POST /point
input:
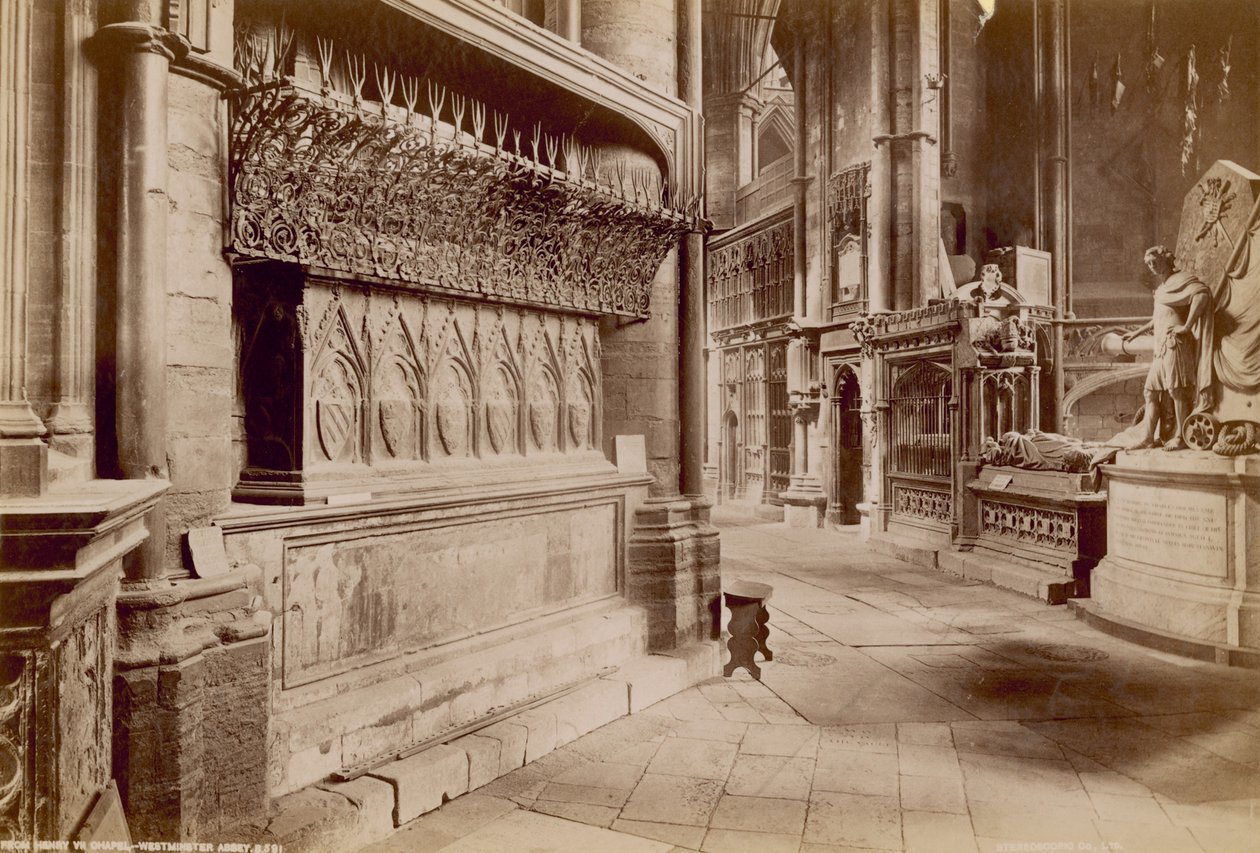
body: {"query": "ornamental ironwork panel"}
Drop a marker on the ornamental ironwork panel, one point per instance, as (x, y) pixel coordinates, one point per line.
(927, 504)
(377, 190)
(920, 420)
(1046, 527)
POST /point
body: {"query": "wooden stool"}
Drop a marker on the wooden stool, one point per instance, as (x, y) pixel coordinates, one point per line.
(749, 626)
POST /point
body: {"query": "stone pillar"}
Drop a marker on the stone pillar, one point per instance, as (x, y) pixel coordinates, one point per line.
(804, 502)
(63, 556)
(927, 154)
(71, 420)
(23, 456)
(879, 208)
(728, 140)
(569, 20)
(639, 36)
(138, 54)
(673, 560)
(915, 155)
(1054, 174)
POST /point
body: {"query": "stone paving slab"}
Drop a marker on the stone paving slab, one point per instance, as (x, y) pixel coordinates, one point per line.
(1025, 729)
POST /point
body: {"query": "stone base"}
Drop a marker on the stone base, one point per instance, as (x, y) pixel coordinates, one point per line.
(1089, 612)
(1045, 584)
(804, 502)
(674, 571)
(910, 549)
(62, 554)
(191, 706)
(336, 816)
(23, 467)
(1183, 547)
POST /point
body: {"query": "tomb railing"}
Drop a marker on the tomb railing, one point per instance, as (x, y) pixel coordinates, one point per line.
(447, 201)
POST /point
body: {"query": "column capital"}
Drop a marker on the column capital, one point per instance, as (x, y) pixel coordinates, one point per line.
(137, 37)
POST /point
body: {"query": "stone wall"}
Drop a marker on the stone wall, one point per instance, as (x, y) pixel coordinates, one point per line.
(1127, 176)
(1105, 412)
(640, 367)
(200, 351)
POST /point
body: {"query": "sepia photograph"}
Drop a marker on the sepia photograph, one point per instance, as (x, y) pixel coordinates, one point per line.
(629, 426)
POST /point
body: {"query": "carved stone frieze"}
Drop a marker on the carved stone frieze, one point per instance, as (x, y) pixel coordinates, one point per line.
(324, 181)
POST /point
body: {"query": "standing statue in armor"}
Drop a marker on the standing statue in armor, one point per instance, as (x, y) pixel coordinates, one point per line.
(1181, 324)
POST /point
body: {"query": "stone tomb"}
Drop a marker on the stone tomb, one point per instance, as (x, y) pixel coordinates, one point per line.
(1183, 526)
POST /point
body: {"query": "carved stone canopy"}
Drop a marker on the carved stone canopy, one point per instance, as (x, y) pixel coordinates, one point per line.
(323, 181)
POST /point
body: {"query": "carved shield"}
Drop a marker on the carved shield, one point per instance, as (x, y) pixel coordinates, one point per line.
(499, 417)
(334, 421)
(396, 421)
(452, 424)
(542, 423)
(580, 423)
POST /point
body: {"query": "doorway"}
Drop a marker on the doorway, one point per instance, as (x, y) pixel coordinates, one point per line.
(846, 443)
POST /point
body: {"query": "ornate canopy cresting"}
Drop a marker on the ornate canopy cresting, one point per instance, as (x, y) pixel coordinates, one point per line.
(465, 206)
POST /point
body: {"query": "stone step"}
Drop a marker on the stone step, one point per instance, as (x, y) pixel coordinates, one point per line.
(338, 816)
(1047, 585)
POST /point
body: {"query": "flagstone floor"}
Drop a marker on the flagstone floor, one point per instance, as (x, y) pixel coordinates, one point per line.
(905, 709)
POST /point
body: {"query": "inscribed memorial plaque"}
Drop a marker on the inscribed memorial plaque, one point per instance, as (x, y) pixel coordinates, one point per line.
(1176, 528)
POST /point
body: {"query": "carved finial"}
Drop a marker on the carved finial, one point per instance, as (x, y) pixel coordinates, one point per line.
(282, 41)
(553, 150)
(437, 97)
(458, 104)
(410, 94)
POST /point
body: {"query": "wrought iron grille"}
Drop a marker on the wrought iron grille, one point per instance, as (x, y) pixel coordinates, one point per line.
(751, 278)
(780, 421)
(919, 415)
(449, 199)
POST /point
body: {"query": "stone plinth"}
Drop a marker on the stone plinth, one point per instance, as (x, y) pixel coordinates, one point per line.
(60, 561)
(804, 502)
(400, 620)
(1037, 532)
(674, 571)
(1183, 545)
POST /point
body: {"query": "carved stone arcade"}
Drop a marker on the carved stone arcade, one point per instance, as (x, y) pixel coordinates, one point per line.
(345, 384)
